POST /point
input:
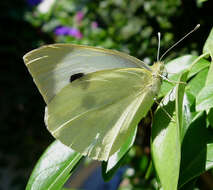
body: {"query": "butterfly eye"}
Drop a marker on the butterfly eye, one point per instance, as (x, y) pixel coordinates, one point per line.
(165, 74)
(76, 76)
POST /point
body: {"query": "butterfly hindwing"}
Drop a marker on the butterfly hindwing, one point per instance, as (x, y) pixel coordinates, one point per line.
(95, 114)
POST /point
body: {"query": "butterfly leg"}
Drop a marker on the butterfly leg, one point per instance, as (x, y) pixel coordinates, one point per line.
(171, 81)
(155, 99)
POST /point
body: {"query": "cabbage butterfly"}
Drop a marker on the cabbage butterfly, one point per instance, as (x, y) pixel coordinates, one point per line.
(95, 97)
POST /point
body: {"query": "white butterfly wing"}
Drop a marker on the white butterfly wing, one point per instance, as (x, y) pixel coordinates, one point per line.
(52, 66)
(95, 114)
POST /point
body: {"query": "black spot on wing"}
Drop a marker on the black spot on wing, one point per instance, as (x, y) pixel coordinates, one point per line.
(76, 76)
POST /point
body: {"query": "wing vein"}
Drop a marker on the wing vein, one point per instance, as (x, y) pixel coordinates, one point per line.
(129, 111)
(92, 109)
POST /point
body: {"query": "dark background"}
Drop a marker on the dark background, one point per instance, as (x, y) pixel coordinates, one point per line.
(23, 135)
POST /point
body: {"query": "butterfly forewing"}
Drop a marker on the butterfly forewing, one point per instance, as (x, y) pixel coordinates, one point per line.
(53, 65)
(95, 114)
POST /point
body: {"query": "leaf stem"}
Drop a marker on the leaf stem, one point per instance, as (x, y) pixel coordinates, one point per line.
(198, 59)
(149, 170)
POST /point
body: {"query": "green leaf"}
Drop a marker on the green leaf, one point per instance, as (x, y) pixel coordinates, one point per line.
(110, 167)
(204, 99)
(179, 65)
(208, 47)
(179, 100)
(201, 1)
(166, 137)
(190, 185)
(210, 117)
(197, 83)
(209, 78)
(197, 150)
(166, 144)
(53, 168)
(188, 113)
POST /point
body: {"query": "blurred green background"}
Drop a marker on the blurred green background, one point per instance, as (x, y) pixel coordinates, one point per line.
(127, 25)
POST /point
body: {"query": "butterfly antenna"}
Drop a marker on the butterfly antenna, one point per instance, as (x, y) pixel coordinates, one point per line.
(158, 54)
(196, 27)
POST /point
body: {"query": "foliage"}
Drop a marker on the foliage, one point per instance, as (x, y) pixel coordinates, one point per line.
(121, 25)
(54, 166)
(180, 119)
(19, 99)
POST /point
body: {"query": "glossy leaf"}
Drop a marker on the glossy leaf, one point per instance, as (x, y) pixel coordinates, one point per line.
(179, 100)
(197, 150)
(53, 168)
(208, 47)
(192, 89)
(204, 99)
(166, 144)
(210, 117)
(188, 113)
(179, 65)
(166, 135)
(197, 83)
(110, 167)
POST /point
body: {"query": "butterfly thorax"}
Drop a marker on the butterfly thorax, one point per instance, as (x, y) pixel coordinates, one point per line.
(157, 71)
(158, 68)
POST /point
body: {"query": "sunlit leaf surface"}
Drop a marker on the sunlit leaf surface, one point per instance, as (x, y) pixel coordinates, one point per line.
(53, 168)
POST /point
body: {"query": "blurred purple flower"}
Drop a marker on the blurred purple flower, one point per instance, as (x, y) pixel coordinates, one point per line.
(94, 24)
(69, 31)
(79, 16)
(34, 2)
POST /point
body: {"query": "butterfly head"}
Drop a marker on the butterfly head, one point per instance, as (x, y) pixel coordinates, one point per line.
(158, 68)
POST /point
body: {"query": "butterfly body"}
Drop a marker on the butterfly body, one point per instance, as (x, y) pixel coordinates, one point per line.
(96, 113)
(158, 69)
